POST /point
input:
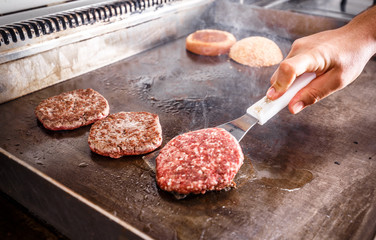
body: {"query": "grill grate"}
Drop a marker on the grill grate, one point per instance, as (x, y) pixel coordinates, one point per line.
(71, 19)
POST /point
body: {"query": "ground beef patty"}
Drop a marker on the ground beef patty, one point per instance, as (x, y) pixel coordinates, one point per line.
(72, 109)
(198, 161)
(126, 133)
(256, 52)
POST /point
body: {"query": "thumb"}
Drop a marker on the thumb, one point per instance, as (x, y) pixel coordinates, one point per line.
(288, 70)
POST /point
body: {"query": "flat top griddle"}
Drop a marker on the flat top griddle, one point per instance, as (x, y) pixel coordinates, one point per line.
(307, 176)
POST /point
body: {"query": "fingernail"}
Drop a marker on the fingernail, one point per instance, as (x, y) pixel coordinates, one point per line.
(271, 92)
(297, 107)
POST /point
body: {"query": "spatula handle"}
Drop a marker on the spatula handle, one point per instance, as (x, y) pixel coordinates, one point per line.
(265, 109)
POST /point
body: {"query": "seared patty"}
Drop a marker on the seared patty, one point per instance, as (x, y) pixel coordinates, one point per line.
(126, 133)
(72, 109)
(199, 161)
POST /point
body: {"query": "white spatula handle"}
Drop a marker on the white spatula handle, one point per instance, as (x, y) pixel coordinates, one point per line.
(265, 109)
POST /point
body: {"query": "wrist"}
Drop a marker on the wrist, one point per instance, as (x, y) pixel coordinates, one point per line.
(362, 28)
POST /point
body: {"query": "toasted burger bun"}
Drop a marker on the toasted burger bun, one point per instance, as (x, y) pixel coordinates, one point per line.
(210, 42)
(256, 52)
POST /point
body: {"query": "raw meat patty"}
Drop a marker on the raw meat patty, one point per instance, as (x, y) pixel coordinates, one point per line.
(210, 42)
(256, 52)
(72, 109)
(126, 133)
(199, 161)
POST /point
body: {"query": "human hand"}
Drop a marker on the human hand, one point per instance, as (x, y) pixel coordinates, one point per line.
(336, 56)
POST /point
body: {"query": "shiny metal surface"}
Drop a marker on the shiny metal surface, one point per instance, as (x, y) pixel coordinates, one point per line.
(29, 65)
(14, 12)
(305, 176)
(32, 36)
(240, 126)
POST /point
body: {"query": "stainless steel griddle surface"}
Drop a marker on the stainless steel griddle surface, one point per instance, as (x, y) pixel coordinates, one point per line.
(308, 176)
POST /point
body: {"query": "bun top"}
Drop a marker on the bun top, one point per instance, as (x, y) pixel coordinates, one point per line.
(256, 52)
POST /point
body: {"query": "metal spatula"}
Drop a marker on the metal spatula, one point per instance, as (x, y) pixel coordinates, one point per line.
(260, 112)
(264, 109)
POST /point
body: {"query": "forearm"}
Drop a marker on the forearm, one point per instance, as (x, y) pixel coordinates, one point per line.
(364, 27)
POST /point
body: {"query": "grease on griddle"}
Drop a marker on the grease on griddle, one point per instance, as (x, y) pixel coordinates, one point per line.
(246, 173)
(83, 164)
(283, 177)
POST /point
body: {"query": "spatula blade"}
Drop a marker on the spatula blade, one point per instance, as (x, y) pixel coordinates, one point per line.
(240, 126)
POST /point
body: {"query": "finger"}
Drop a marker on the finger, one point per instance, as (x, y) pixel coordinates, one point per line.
(273, 78)
(295, 50)
(316, 90)
(287, 72)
